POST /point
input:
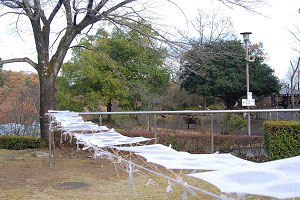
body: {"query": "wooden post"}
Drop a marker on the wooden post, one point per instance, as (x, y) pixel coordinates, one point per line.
(148, 123)
(50, 152)
(53, 143)
(212, 132)
(100, 120)
(155, 130)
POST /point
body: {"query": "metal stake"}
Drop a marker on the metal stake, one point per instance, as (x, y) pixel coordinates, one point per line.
(100, 120)
(212, 132)
(155, 131)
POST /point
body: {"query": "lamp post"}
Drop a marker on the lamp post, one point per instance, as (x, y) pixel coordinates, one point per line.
(246, 40)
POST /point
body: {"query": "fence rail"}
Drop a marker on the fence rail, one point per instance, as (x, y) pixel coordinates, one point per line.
(209, 112)
(190, 111)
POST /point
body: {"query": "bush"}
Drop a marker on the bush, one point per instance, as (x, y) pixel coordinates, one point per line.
(125, 121)
(230, 122)
(282, 139)
(172, 141)
(216, 107)
(19, 142)
(201, 143)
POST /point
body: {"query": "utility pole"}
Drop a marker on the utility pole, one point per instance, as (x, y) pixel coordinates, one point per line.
(246, 40)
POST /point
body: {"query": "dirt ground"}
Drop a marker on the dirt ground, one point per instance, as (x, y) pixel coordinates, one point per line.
(23, 175)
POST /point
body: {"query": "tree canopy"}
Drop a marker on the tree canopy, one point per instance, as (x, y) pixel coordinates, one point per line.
(56, 24)
(218, 69)
(122, 66)
(19, 98)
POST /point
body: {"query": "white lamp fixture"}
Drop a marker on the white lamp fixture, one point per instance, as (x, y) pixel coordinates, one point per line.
(246, 35)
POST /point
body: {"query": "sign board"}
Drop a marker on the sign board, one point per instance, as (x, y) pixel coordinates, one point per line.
(249, 95)
(248, 102)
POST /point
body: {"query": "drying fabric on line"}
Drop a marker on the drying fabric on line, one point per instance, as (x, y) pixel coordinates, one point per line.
(108, 139)
(184, 160)
(71, 124)
(154, 148)
(279, 179)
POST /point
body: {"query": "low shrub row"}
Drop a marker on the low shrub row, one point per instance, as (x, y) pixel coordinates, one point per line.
(282, 139)
(201, 143)
(19, 142)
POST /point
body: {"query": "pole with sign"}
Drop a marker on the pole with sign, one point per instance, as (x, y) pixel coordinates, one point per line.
(248, 101)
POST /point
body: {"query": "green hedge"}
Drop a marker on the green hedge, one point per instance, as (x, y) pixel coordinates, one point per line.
(282, 139)
(193, 142)
(19, 142)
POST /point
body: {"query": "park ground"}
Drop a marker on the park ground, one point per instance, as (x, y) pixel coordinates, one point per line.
(26, 175)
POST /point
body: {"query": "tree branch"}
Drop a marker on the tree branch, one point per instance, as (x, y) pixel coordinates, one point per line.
(67, 5)
(37, 9)
(99, 6)
(14, 60)
(117, 6)
(55, 10)
(89, 7)
(27, 8)
(17, 13)
(12, 4)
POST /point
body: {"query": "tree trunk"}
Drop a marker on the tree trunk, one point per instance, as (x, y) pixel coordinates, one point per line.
(109, 109)
(47, 102)
(292, 92)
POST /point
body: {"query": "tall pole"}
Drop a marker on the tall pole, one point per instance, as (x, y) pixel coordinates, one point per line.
(247, 82)
(246, 40)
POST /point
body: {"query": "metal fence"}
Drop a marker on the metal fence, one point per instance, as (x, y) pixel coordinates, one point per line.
(210, 116)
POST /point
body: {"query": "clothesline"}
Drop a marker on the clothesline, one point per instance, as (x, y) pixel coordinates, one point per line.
(278, 179)
(100, 141)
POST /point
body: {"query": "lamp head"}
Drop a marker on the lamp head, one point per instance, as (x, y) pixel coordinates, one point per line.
(246, 35)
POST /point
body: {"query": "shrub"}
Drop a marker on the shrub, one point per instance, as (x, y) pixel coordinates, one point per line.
(125, 121)
(282, 139)
(230, 122)
(19, 142)
(172, 141)
(216, 107)
(201, 143)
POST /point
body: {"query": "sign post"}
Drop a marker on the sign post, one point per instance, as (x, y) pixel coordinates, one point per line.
(246, 40)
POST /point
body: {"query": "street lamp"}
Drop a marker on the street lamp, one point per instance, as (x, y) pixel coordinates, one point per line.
(246, 40)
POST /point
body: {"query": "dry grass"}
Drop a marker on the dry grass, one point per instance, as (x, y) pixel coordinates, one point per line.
(24, 176)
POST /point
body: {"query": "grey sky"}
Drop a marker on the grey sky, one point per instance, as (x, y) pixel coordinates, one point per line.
(272, 30)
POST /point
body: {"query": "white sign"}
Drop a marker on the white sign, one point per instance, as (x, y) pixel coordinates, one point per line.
(249, 95)
(248, 102)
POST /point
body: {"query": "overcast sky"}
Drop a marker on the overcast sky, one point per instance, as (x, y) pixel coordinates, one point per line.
(271, 30)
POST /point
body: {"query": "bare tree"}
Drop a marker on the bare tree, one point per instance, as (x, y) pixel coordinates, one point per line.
(208, 28)
(19, 100)
(292, 77)
(213, 27)
(78, 16)
(295, 32)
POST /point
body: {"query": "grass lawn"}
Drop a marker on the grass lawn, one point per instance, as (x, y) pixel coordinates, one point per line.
(25, 176)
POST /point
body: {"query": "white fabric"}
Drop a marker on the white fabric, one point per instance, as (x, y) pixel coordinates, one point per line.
(220, 161)
(154, 148)
(279, 179)
(108, 139)
(77, 127)
(71, 122)
(184, 160)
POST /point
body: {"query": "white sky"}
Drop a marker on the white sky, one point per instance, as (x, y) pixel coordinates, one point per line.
(272, 30)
